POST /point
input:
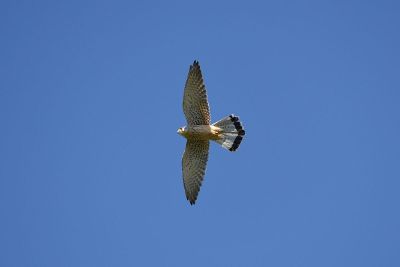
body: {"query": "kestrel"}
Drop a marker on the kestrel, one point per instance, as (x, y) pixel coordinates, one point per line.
(199, 131)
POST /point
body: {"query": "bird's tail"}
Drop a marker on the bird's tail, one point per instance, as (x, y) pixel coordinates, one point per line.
(232, 132)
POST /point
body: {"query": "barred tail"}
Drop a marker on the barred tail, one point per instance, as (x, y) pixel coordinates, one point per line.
(232, 132)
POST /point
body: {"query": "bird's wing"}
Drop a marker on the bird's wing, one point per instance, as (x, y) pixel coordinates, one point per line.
(194, 164)
(195, 103)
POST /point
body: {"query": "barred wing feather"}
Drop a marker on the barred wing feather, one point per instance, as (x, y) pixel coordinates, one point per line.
(194, 164)
(195, 103)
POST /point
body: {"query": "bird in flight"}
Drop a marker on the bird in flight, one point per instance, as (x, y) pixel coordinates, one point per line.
(227, 132)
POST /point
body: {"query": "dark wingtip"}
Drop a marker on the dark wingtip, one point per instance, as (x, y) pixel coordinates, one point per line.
(191, 199)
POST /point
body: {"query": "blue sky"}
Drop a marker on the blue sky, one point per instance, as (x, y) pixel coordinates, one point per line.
(91, 98)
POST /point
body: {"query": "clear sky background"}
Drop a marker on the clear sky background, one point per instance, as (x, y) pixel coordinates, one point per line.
(90, 161)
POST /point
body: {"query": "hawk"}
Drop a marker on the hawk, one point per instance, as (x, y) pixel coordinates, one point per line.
(227, 132)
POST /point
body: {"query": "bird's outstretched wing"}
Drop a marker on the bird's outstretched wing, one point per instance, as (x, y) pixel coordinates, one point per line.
(195, 103)
(194, 164)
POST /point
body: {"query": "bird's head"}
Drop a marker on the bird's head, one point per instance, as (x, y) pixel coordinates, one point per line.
(181, 130)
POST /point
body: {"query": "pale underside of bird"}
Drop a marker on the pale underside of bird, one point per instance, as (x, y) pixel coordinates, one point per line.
(227, 132)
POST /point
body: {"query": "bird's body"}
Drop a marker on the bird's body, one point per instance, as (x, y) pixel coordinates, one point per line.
(202, 132)
(228, 132)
